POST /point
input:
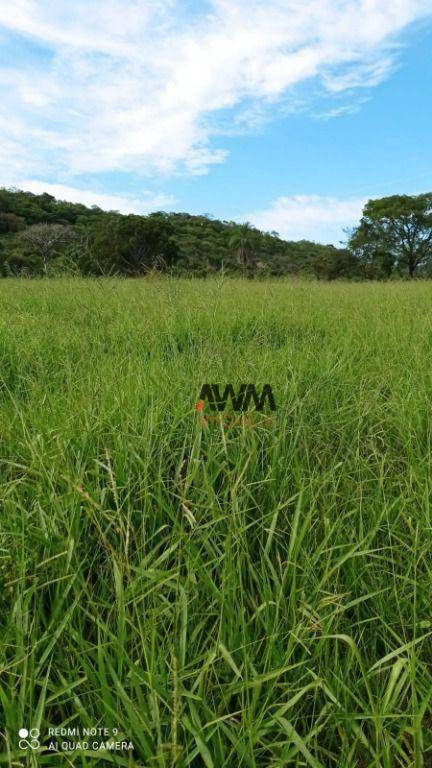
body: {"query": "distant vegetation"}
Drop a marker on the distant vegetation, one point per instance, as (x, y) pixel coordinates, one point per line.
(41, 235)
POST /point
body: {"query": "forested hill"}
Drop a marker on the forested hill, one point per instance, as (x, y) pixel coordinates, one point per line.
(41, 234)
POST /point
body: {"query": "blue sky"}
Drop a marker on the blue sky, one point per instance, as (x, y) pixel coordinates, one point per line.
(289, 113)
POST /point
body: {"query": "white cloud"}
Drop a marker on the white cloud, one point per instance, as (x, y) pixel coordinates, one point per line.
(309, 217)
(147, 202)
(137, 84)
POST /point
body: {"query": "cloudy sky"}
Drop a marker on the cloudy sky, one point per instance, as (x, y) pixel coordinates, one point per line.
(286, 113)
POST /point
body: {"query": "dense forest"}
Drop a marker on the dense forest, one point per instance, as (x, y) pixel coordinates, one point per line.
(40, 235)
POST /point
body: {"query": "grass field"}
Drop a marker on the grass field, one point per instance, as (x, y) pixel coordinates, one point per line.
(241, 597)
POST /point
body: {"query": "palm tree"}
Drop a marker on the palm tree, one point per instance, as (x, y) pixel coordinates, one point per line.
(242, 241)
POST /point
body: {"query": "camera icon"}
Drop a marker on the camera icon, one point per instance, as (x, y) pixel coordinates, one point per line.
(29, 739)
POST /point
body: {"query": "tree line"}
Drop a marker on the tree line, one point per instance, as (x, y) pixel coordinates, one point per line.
(40, 235)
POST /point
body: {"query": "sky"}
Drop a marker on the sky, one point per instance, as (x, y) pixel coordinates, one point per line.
(289, 114)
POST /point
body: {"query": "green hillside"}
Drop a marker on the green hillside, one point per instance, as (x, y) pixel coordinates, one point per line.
(97, 242)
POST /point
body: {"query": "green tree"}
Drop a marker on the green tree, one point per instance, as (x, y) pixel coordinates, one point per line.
(130, 245)
(10, 222)
(242, 241)
(394, 233)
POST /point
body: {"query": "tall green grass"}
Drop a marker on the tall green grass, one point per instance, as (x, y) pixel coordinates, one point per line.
(240, 597)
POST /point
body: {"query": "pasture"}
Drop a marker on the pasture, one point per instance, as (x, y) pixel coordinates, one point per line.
(252, 596)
